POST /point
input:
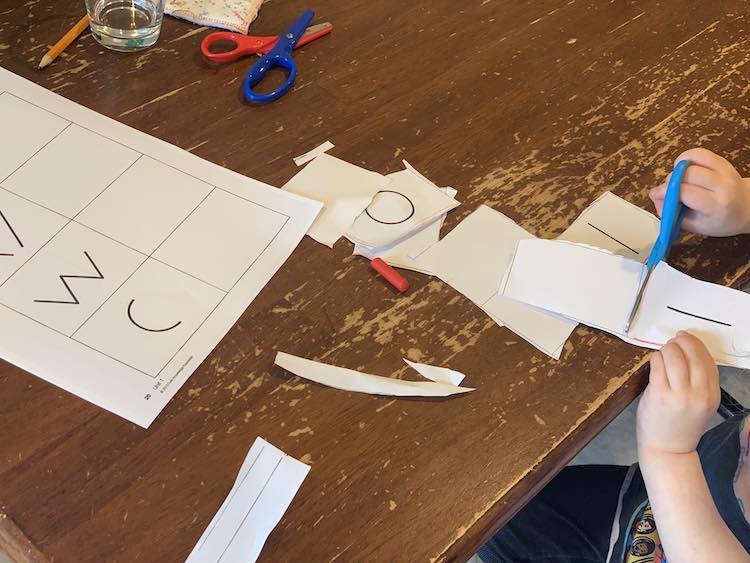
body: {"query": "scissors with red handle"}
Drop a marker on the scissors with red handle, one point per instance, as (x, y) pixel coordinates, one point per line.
(274, 52)
(253, 45)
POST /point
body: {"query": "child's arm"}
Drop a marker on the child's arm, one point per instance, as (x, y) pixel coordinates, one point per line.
(717, 197)
(682, 395)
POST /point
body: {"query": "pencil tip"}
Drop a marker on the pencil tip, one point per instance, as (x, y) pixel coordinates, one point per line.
(45, 61)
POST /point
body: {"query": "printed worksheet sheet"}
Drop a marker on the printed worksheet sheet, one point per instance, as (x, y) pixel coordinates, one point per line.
(124, 259)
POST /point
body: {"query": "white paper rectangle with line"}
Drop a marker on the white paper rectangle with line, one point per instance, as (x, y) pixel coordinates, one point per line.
(598, 288)
(344, 189)
(76, 275)
(613, 224)
(265, 486)
(351, 380)
(473, 257)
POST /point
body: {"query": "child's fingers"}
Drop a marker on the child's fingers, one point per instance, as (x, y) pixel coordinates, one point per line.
(695, 197)
(705, 158)
(698, 198)
(699, 176)
(699, 360)
(694, 223)
(659, 192)
(659, 204)
(675, 366)
(657, 377)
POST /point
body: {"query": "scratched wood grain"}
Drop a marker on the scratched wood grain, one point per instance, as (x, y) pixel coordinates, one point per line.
(533, 108)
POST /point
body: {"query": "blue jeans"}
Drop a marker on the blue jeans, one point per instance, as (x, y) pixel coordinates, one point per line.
(569, 521)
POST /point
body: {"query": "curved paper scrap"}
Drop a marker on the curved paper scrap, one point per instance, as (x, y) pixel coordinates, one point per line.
(439, 374)
(350, 380)
(313, 153)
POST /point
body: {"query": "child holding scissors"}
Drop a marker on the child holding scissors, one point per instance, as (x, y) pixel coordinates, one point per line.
(686, 498)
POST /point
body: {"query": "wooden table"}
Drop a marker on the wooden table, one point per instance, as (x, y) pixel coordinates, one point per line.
(532, 108)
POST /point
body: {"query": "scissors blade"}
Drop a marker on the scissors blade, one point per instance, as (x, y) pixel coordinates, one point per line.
(314, 32)
(669, 230)
(638, 299)
(325, 26)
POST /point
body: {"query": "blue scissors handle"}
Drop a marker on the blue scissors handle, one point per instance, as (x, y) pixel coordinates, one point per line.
(278, 57)
(671, 217)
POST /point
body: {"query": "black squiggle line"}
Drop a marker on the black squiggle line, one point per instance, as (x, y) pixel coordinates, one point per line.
(130, 316)
(613, 238)
(698, 316)
(65, 277)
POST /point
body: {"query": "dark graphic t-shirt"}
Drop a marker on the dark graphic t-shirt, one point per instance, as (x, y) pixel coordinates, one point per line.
(719, 451)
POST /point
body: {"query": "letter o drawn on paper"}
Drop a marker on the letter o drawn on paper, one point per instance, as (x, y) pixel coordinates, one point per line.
(391, 220)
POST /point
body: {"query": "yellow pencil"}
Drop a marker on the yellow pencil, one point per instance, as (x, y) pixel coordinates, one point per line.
(65, 40)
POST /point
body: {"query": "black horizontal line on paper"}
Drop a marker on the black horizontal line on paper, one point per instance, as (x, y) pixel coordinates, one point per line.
(698, 316)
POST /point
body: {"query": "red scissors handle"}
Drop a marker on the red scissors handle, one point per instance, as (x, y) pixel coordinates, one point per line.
(251, 45)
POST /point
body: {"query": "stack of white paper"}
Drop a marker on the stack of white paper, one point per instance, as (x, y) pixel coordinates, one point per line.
(473, 257)
(402, 221)
(263, 490)
(344, 189)
(598, 288)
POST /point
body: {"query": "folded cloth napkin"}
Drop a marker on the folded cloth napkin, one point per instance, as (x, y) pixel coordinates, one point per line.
(235, 15)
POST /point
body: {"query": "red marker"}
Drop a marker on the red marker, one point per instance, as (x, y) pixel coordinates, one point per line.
(392, 276)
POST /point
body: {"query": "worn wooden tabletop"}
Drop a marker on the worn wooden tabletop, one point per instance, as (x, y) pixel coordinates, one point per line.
(532, 108)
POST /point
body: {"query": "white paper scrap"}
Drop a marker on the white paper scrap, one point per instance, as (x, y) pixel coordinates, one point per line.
(598, 288)
(265, 486)
(313, 153)
(400, 254)
(351, 380)
(344, 189)
(123, 259)
(616, 225)
(403, 254)
(409, 203)
(439, 374)
(473, 258)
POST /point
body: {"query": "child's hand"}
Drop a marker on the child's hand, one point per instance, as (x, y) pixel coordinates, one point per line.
(682, 395)
(718, 199)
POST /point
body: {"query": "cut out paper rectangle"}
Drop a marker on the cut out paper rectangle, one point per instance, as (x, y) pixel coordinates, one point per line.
(344, 189)
(123, 259)
(351, 380)
(613, 224)
(473, 257)
(265, 486)
(598, 288)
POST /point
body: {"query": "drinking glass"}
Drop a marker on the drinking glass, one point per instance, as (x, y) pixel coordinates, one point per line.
(125, 25)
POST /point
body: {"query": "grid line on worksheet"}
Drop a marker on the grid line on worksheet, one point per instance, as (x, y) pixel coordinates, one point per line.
(147, 257)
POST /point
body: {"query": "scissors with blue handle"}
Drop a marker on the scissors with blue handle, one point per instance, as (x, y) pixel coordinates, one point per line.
(669, 230)
(280, 56)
